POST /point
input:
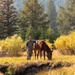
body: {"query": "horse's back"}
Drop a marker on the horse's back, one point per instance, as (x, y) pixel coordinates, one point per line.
(42, 45)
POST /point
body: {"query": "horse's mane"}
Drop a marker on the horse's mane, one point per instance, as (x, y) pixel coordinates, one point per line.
(45, 46)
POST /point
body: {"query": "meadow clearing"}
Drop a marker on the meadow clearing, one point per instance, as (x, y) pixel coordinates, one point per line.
(57, 57)
(65, 46)
(64, 70)
(22, 59)
(60, 71)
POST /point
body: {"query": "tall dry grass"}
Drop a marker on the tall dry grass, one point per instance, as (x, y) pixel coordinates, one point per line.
(60, 71)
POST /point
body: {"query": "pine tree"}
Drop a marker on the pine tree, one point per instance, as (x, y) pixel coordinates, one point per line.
(2, 26)
(51, 10)
(33, 15)
(8, 18)
(66, 17)
(66, 3)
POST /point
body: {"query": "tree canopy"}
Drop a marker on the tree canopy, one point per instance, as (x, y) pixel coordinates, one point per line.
(66, 17)
(33, 14)
(8, 18)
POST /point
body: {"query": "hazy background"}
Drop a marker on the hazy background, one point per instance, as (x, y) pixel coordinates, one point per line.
(19, 3)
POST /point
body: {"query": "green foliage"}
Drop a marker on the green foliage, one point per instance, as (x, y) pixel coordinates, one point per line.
(37, 34)
(50, 34)
(23, 24)
(52, 14)
(29, 31)
(66, 17)
(33, 16)
(11, 71)
(8, 19)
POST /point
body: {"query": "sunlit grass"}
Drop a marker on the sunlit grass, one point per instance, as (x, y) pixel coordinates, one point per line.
(22, 60)
(61, 71)
(19, 60)
(58, 57)
(64, 58)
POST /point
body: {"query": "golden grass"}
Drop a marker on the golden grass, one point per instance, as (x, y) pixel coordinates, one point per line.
(22, 60)
(61, 71)
(56, 57)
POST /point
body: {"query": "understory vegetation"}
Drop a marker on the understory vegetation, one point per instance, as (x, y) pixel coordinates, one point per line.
(66, 44)
(12, 45)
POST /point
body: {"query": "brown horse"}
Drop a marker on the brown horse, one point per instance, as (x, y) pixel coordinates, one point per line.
(40, 46)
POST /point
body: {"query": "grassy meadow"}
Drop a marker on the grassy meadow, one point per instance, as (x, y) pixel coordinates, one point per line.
(60, 71)
(57, 57)
(22, 60)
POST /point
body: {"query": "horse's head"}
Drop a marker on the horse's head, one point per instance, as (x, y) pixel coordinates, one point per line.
(49, 54)
(48, 50)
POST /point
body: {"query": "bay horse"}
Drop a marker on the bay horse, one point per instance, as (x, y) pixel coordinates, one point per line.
(40, 46)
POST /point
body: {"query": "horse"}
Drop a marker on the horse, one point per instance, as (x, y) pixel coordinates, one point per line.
(40, 46)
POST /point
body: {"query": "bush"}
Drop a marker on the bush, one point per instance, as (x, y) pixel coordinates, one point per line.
(13, 45)
(66, 44)
(10, 71)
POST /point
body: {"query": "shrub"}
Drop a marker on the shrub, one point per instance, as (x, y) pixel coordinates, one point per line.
(10, 71)
(13, 45)
(2, 48)
(66, 43)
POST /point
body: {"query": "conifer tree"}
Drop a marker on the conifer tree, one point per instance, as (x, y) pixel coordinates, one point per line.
(8, 18)
(66, 17)
(33, 14)
(52, 14)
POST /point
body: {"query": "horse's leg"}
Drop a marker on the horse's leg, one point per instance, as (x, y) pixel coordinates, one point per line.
(35, 53)
(44, 54)
(40, 54)
(50, 54)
